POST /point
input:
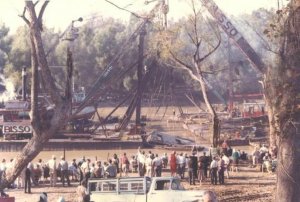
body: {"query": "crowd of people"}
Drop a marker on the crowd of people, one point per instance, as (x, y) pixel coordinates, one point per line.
(193, 167)
(264, 158)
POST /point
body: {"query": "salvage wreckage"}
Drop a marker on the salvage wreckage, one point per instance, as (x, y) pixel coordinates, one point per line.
(15, 122)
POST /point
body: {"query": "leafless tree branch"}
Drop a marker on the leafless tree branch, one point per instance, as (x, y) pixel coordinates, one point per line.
(191, 37)
(124, 9)
(41, 13)
(23, 16)
(215, 71)
(210, 52)
(194, 20)
(180, 61)
(184, 67)
(35, 3)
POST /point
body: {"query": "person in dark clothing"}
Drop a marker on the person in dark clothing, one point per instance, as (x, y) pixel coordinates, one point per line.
(205, 163)
(193, 167)
(116, 162)
(80, 173)
(28, 179)
(243, 156)
(229, 151)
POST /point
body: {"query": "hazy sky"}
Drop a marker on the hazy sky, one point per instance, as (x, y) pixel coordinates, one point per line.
(60, 13)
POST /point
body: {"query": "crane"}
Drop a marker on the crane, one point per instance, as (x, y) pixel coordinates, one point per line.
(234, 34)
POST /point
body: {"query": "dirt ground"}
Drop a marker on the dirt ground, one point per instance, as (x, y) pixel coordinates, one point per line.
(248, 184)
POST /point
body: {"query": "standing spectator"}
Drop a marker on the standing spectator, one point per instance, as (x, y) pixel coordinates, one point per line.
(205, 163)
(46, 172)
(98, 173)
(141, 158)
(235, 159)
(82, 160)
(263, 149)
(125, 165)
(52, 171)
(192, 168)
(229, 151)
(214, 170)
(92, 170)
(85, 167)
(74, 170)
(41, 165)
(28, 178)
(200, 171)
(148, 164)
(226, 165)
(173, 163)
(267, 162)
(3, 165)
(224, 147)
(255, 157)
(110, 170)
(116, 162)
(33, 179)
(37, 174)
(63, 164)
(164, 159)
(181, 165)
(80, 172)
(243, 156)
(157, 165)
(133, 164)
(221, 165)
(2, 168)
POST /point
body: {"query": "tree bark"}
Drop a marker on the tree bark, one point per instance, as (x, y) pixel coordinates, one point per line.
(281, 91)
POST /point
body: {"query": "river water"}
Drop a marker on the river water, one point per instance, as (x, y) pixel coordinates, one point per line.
(161, 124)
(101, 155)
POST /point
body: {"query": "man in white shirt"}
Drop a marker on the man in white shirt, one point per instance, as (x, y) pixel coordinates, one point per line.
(263, 149)
(226, 164)
(157, 165)
(52, 171)
(85, 167)
(141, 162)
(181, 165)
(148, 164)
(214, 170)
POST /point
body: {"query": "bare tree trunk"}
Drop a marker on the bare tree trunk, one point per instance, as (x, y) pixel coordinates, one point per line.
(281, 90)
(214, 116)
(45, 123)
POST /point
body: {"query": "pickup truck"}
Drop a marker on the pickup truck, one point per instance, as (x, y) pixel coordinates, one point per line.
(142, 189)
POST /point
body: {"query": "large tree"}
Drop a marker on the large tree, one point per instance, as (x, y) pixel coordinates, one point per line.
(282, 83)
(45, 123)
(191, 59)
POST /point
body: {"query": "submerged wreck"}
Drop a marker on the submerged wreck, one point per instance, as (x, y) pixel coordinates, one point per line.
(169, 141)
